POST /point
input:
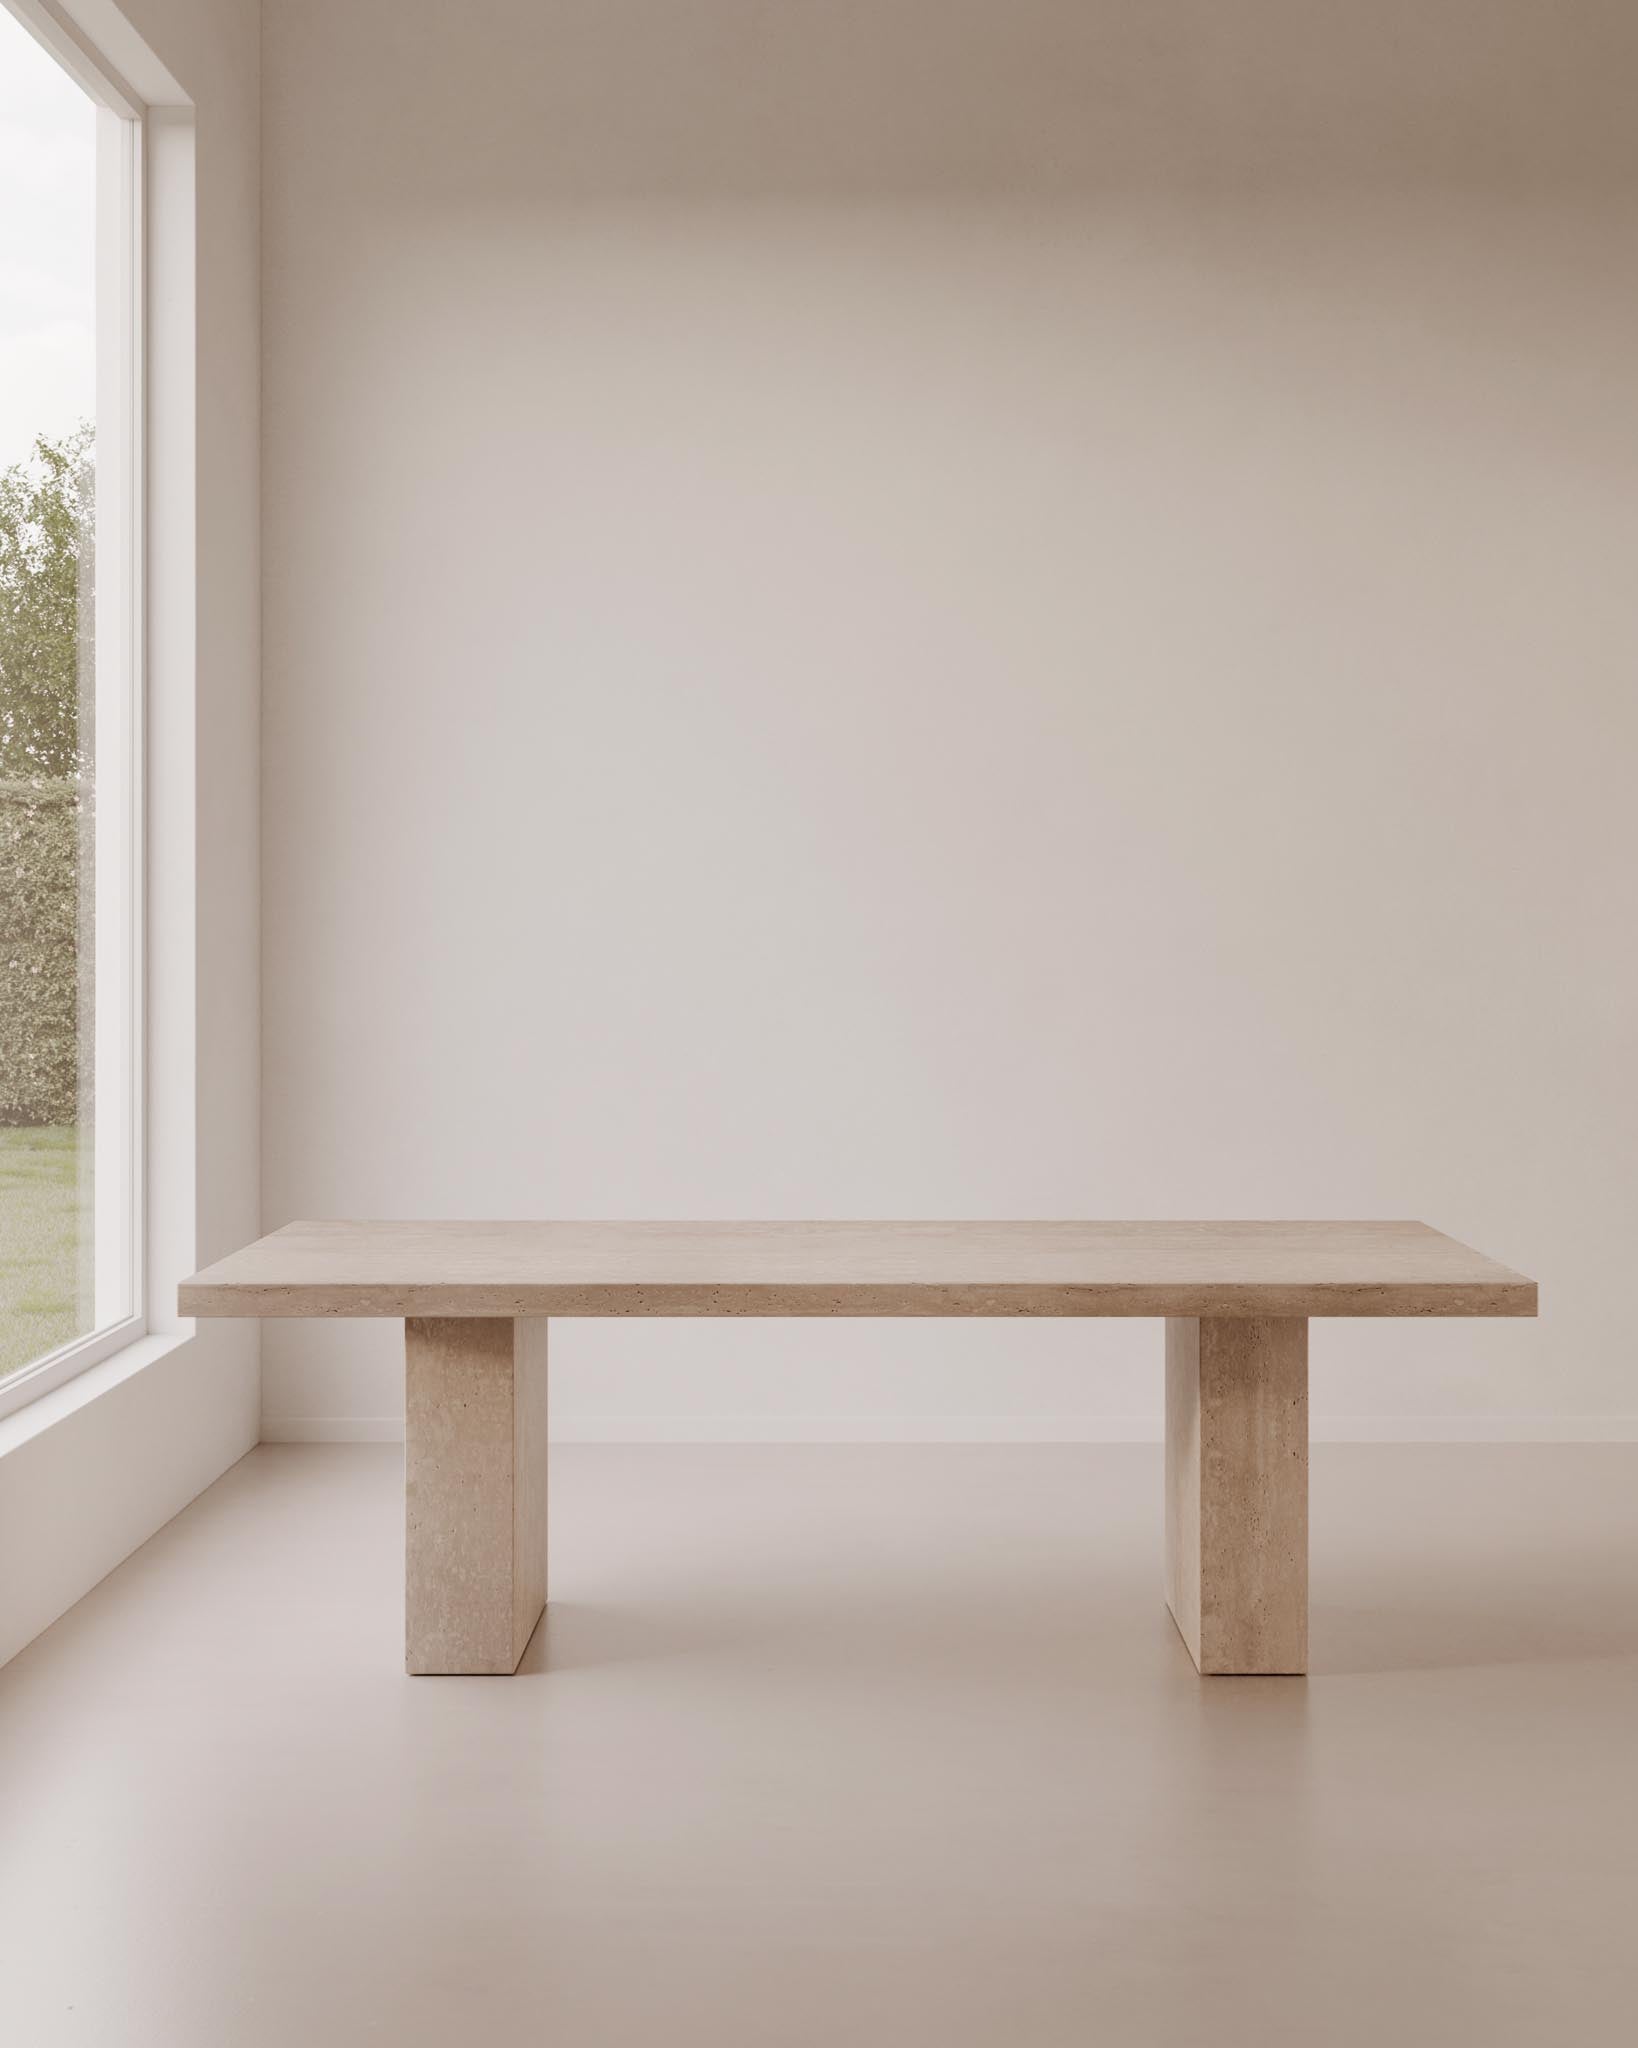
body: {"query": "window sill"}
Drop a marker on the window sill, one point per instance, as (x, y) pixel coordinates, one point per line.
(55, 1405)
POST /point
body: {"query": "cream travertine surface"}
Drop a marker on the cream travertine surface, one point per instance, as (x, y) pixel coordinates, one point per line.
(857, 1269)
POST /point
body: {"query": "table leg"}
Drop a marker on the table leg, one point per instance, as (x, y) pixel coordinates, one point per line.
(1237, 1490)
(475, 1491)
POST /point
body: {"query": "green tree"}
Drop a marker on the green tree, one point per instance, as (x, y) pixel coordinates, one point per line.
(45, 609)
(45, 775)
(39, 951)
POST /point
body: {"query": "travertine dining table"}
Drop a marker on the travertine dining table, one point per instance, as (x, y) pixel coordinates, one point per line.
(1236, 1297)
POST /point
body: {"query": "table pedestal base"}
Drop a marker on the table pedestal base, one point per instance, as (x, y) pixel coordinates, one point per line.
(1237, 1490)
(475, 1491)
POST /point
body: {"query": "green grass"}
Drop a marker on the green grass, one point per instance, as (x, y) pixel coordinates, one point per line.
(42, 1215)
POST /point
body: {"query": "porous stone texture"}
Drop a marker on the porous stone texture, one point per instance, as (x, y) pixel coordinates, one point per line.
(475, 1491)
(1237, 1490)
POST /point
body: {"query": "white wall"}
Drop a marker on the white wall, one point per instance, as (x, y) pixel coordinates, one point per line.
(955, 610)
(90, 1471)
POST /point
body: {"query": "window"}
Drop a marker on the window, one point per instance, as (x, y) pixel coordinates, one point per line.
(70, 723)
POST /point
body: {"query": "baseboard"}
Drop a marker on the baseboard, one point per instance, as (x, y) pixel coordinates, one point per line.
(976, 1429)
(332, 1429)
(1474, 1429)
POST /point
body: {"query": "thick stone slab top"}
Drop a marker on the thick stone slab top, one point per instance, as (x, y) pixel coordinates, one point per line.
(857, 1269)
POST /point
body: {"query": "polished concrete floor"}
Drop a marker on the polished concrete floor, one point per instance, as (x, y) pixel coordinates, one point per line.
(839, 1747)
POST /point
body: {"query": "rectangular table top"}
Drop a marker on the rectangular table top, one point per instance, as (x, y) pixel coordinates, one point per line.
(857, 1269)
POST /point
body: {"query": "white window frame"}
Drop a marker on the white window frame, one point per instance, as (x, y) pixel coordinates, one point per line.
(119, 877)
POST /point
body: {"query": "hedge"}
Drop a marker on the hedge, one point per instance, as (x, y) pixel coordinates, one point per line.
(39, 934)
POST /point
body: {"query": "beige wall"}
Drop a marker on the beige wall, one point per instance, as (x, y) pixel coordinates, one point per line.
(953, 610)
